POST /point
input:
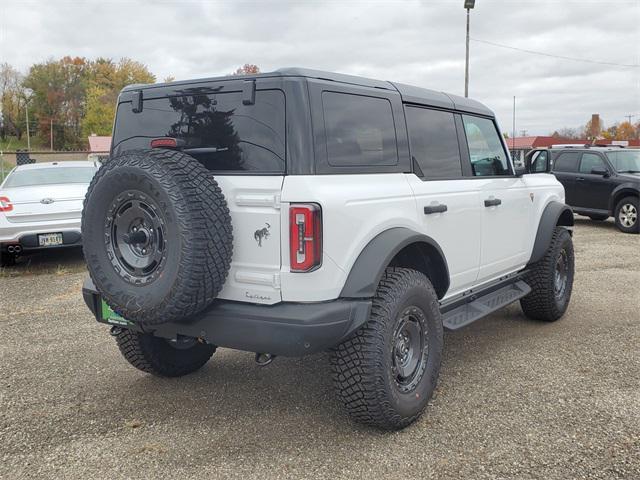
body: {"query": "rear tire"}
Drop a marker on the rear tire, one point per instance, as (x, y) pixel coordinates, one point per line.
(551, 280)
(386, 372)
(162, 357)
(626, 215)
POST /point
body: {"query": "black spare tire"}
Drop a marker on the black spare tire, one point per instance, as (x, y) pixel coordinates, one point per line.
(157, 235)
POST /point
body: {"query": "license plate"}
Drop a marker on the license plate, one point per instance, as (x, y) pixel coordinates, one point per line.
(50, 239)
(109, 316)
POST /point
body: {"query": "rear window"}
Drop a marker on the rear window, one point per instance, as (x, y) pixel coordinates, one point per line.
(50, 176)
(434, 142)
(217, 129)
(359, 130)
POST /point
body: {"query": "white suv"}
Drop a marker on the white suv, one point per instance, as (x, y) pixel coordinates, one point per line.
(299, 211)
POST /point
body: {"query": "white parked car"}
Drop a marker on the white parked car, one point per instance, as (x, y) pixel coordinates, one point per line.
(41, 207)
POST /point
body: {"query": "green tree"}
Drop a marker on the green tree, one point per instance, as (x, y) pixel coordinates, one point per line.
(100, 111)
(13, 98)
(58, 101)
(105, 79)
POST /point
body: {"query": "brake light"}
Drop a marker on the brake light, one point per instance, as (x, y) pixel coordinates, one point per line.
(305, 237)
(165, 142)
(5, 204)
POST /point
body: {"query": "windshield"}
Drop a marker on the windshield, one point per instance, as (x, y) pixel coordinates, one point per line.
(50, 176)
(625, 161)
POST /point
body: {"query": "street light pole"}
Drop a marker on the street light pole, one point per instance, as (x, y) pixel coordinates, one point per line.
(468, 4)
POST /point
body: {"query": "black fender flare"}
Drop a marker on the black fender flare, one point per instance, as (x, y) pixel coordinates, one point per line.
(555, 213)
(368, 268)
(621, 191)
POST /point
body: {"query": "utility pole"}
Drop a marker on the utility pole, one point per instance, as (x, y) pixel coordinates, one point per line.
(628, 117)
(26, 110)
(523, 132)
(513, 132)
(468, 4)
(51, 133)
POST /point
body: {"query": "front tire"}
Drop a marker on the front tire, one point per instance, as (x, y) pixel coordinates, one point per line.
(551, 280)
(162, 357)
(626, 215)
(386, 372)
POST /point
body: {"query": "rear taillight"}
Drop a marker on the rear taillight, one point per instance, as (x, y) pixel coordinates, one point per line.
(5, 204)
(305, 236)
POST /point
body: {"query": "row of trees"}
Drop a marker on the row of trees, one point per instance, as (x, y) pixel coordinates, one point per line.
(61, 102)
(594, 130)
(65, 99)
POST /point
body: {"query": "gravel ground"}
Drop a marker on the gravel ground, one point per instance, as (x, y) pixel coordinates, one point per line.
(516, 398)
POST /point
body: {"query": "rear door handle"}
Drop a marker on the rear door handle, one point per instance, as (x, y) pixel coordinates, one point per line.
(440, 208)
(580, 179)
(492, 202)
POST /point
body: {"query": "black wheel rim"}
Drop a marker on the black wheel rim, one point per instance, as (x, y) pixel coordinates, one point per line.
(136, 237)
(410, 349)
(561, 275)
(182, 343)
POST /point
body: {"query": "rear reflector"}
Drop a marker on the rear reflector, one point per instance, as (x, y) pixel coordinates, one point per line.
(5, 204)
(166, 142)
(305, 237)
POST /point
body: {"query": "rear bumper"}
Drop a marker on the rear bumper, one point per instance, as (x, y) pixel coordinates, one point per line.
(29, 241)
(26, 234)
(287, 329)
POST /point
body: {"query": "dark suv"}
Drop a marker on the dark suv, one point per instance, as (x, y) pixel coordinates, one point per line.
(599, 182)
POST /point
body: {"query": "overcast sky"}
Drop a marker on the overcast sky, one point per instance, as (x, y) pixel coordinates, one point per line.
(415, 42)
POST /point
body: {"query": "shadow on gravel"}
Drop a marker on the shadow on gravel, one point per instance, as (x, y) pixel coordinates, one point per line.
(59, 261)
(232, 390)
(605, 225)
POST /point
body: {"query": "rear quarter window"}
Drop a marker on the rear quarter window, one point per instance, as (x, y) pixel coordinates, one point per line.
(566, 162)
(217, 129)
(359, 129)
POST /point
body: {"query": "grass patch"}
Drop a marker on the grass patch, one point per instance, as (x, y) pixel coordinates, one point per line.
(11, 143)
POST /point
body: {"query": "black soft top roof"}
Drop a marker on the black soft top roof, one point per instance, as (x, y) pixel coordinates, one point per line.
(409, 94)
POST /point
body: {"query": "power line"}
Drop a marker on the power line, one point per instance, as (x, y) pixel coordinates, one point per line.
(563, 57)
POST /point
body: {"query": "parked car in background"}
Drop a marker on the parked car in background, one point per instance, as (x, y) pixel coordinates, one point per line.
(599, 182)
(41, 207)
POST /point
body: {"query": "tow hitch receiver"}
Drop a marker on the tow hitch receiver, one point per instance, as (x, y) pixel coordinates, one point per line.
(264, 359)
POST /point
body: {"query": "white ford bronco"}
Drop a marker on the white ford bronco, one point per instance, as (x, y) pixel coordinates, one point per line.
(300, 211)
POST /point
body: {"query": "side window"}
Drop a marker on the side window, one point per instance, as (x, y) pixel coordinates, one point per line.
(433, 142)
(539, 161)
(590, 161)
(488, 157)
(360, 130)
(566, 162)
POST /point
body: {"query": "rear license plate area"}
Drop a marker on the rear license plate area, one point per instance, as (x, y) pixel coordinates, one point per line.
(49, 239)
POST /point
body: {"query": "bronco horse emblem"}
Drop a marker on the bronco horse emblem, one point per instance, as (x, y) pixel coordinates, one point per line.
(262, 233)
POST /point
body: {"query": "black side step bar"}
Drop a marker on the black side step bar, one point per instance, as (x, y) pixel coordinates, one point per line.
(484, 305)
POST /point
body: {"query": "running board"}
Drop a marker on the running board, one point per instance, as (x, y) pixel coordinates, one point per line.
(486, 304)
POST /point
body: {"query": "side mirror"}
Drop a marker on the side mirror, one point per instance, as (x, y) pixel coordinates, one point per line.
(520, 171)
(600, 171)
(537, 161)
